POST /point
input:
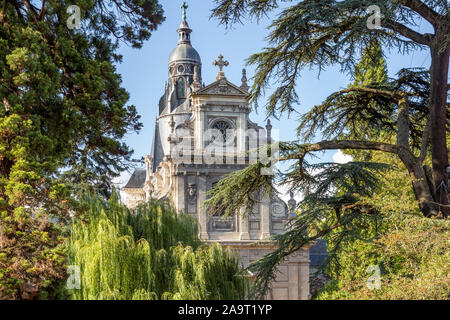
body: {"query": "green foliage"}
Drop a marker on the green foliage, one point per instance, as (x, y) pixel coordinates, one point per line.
(372, 67)
(370, 70)
(412, 253)
(239, 189)
(319, 213)
(384, 123)
(63, 118)
(351, 256)
(410, 108)
(317, 34)
(368, 113)
(152, 253)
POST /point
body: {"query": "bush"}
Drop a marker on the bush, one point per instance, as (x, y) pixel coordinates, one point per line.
(412, 254)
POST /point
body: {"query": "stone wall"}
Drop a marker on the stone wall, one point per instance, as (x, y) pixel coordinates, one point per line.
(292, 279)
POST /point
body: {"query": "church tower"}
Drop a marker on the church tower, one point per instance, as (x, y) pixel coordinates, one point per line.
(184, 61)
(201, 134)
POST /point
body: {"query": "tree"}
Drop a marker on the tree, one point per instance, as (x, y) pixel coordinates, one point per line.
(371, 69)
(409, 111)
(387, 242)
(153, 253)
(324, 32)
(63, 114)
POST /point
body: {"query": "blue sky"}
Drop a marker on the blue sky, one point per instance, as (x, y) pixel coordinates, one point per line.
(144, 71)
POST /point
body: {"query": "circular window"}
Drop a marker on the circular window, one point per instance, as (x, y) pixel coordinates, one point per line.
(222, 126)
(180, 69)
(171, 70)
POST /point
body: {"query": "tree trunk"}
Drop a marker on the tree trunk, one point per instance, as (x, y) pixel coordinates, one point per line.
(438, 114)
(423, 193)
(420, 185)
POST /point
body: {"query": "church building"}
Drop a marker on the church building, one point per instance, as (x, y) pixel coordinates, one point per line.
(203, 132)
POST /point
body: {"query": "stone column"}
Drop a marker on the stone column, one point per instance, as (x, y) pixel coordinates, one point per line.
(265, 217)
(202, 212)
(243, 225)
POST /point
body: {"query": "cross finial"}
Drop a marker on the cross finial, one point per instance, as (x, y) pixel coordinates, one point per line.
(184, 6)
(220, 63)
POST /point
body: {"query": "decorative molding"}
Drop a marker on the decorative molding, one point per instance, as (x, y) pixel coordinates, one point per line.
(223, 87)
(222, 224)
(230, 120)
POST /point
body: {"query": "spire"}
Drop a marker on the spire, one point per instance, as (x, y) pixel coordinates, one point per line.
(269, 132)
(244, 84)
(196, 85)
(184, 49)
(184, 31)
(292, 204)
(220, 63)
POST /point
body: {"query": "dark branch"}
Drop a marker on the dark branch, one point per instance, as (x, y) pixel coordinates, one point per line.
(408, 33)
(422, 9)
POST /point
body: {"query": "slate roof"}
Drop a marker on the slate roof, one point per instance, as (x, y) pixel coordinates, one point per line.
(184, 52)
(137, 179)
(157, 152)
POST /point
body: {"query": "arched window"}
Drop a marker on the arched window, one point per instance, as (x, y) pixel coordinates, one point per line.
(181, 88)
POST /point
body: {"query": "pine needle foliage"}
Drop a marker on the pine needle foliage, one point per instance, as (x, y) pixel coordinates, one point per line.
(152, 253)
(64, 115)
(319, 213)
(316, 34)
(405, 118)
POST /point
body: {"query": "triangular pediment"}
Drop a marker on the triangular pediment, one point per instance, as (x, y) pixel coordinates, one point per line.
(222, 87)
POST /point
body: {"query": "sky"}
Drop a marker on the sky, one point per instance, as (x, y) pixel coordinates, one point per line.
(145, 70)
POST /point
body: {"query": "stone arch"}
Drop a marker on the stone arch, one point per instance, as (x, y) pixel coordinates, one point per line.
(224, 126)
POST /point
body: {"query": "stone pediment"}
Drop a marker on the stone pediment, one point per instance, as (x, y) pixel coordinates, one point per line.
(222, 87)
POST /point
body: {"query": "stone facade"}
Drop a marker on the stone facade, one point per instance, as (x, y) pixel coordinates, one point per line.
(211, 124)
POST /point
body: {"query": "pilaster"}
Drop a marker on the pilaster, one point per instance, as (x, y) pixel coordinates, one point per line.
(202, 212)
(243, 225)
(265, 217)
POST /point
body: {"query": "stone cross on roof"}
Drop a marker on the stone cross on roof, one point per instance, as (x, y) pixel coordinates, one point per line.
(221, 63)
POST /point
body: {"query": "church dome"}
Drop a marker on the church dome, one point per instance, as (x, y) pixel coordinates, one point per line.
(184, 51)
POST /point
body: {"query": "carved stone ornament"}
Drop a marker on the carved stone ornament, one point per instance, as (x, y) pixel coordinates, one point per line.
(192, 192)
(223, 88)
(278, 210)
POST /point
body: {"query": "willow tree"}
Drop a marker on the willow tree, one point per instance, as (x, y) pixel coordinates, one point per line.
(152, 253)
(410, 109)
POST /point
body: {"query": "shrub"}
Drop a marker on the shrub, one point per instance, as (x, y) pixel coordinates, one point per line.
(413, 255)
